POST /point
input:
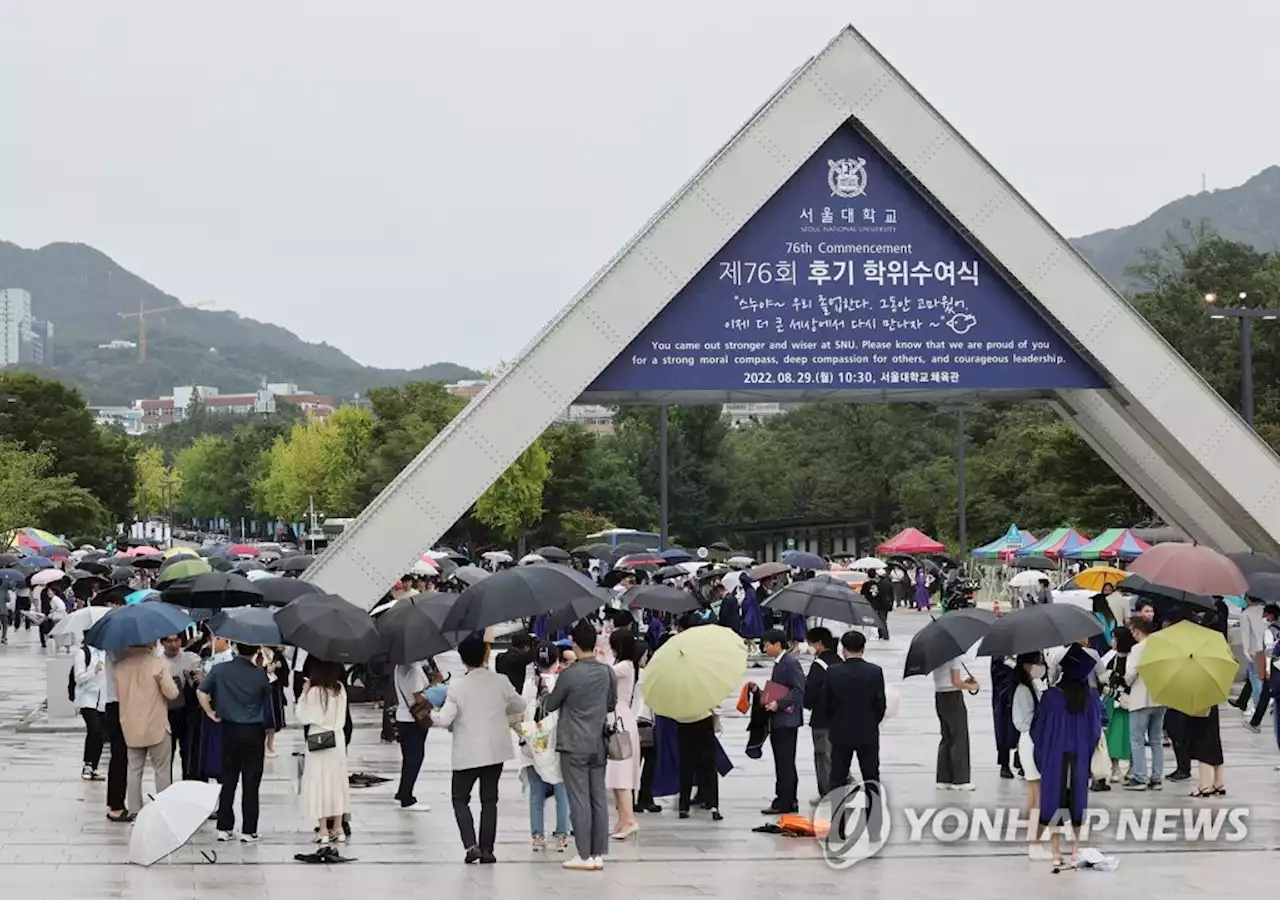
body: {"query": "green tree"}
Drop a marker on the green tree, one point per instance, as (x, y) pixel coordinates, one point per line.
(406, 420)
(153, 481)
(45, 415)
(31, 495)
(295, 474)
(207, 478)
(576, 524)
(513, 503)
(347, 445)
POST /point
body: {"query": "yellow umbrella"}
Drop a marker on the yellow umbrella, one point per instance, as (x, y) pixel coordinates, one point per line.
(1094, 578)
(181, 551)
(694, 671)
(1188, 667)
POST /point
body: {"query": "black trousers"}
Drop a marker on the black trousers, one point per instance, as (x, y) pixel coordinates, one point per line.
(463, 781)
(869, 764)
(697, 743)
(94, 737)
(413, 748)
(177, 738)
(1178, 728)
(648, 765)
(118, 767)
(786, 782)
(243, 751)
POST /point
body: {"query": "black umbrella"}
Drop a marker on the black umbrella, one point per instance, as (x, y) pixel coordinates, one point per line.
(1151, 590)
(802, 559)
(1039, 563)
(207, 551)
(409, 632)
(81, 588)
(660, 598)
(282, 591)
(627, 547)
(824, 597)
(946, 638)
(213, 590)
(523, 592)
(123, 573)
(220, 564)
(93, 568)
(594, 551)
(670, 572)
(1264, 586)
(148, 561)
(248, 565)
(553, 554)
(1254, 563)
(329, 628)
(9, 559)
(720, 546)
(92, 555)
(1037, 628)
(470, 575)
(291, 564)
(248, 625)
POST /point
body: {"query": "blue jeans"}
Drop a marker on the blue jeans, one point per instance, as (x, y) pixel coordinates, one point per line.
(538, 804)
(1146, 728)
(1255, 681)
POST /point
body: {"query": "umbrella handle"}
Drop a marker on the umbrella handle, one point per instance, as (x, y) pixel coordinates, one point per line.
(975, 691)
(210, 857)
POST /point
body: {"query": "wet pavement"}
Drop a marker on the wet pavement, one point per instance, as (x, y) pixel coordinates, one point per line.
(55, 841)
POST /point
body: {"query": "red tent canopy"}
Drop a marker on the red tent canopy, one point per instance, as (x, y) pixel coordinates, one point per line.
(911, 540)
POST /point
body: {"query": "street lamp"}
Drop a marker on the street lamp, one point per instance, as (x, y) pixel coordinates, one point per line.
(1246, 317)
(961, 440)
(169, 484)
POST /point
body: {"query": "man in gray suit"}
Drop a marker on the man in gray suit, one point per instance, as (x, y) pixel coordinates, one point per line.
(585, 693)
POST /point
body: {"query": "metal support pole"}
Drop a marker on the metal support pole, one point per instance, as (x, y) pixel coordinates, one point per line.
(960, 500)
(1246, 370)
(663, 506)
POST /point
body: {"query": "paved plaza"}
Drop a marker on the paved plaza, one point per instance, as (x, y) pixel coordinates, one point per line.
(55, 841)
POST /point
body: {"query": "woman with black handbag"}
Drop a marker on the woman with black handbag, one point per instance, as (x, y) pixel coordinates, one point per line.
(326, 794)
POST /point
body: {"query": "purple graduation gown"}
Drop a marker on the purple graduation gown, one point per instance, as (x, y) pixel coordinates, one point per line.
(1064, 747)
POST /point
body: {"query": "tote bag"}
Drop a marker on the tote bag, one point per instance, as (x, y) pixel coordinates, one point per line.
(540, 741)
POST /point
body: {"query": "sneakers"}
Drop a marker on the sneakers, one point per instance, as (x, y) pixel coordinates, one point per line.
(1134, 784)
(1256, 729)
(578, 864)
(942, 786)
(248, 839)
(1155, 785)
(597, 863)
(415, 806)
(224, 836)
(86, 774)
(967, 786)
(1038, 852)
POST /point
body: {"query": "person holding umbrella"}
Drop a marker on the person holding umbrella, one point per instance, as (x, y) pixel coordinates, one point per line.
(234, 695)
(145, 688)
(950, 680)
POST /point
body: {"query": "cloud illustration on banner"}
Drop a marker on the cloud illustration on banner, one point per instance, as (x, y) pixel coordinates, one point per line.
(962, 323)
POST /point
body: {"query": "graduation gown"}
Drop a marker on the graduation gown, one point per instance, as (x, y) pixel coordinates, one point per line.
(730, 614)
(666, 773)
(1003, 683)
(1064, 746)
(752, 627)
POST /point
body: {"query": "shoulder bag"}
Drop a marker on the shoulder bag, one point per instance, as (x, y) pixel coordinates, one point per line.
(420, 710)
(617, 742)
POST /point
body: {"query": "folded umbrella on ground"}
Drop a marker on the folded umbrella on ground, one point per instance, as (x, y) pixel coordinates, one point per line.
(329, 628)
(247, 625)
(945, 638)
(1037, 628)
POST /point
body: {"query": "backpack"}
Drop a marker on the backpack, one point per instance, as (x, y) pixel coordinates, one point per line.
(71, 676)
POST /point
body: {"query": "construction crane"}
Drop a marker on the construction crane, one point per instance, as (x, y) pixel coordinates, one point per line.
(141, 316)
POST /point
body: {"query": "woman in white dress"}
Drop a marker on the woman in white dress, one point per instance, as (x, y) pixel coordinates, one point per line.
(622, 776)
(326, 794)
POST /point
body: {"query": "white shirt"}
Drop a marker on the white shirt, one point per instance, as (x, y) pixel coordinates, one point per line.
(942, 675)
(478, 711)
(1253, 631)
(91, 684)
(409, 680)
(1139, 696)
(109, 677)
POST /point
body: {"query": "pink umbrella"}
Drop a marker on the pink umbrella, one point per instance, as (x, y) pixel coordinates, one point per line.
(47, 576)
(142, 550)
(1191, 568)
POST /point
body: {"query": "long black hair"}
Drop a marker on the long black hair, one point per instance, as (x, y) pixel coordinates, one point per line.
(623, 644)
(1020, 673)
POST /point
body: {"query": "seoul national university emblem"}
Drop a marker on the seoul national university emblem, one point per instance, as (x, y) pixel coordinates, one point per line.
(847, 177)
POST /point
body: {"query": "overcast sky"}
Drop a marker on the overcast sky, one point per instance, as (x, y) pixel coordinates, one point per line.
(417, 181)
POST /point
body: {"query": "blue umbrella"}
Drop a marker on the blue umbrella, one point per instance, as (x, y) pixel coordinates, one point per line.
(11, 577)
(31, 563)
(676, 555)
(139, 596)
(799, 559)
(248, 625)
(136, 626)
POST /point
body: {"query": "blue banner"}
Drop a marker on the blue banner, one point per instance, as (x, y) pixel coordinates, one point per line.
(847, 279)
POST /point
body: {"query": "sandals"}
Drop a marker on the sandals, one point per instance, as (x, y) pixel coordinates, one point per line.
(124, 818)
(1206, 792)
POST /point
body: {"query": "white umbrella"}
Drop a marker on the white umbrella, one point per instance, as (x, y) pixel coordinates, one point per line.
(424, 567)
(79, 621)
(1026, 578)
(497, 556)
(692, 567)
(868, 562)
(259, 575)
(741, 562)
(530, 558)
(170, 820)
(733, 580)
(47, 576)
(383, 607)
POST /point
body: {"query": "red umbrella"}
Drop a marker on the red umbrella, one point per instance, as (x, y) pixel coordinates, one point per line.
(242, 550)
(1191, 568)
(911, 540)
(141, 550)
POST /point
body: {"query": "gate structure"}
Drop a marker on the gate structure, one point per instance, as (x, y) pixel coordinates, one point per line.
(847, 244)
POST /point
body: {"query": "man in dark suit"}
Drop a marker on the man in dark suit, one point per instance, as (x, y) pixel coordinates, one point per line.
(824, 646)
(784, 723)
(853, 700)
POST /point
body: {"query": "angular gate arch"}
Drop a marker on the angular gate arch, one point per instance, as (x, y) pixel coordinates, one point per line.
(1106, 370)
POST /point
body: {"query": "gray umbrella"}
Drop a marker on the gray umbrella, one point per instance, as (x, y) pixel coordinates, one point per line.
(827, 598)
(1037, 628)
(248, 625)
(470, 575)
(523, 592)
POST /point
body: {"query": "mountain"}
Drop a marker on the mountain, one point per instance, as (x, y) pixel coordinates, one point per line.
(1249, 213)
(83, 291)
